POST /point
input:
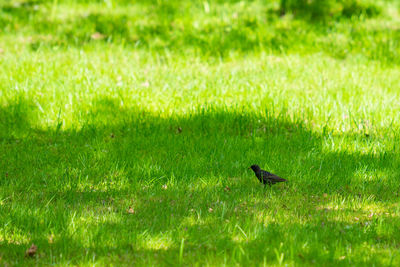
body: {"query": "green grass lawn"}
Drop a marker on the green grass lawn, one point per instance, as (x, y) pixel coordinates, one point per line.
(126, 131)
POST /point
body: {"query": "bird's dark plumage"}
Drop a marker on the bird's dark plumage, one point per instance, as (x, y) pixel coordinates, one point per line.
(266, 177)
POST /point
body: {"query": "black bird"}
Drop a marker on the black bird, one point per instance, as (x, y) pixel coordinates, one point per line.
(265, 177)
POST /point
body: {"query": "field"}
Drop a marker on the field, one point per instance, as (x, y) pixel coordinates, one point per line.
(127, 129)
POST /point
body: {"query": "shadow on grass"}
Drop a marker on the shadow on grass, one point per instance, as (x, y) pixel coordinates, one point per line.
(167, 27)
(186, 178)
(154, 234)
(89, 227)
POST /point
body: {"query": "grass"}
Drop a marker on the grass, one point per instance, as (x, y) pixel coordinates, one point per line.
(119, 152)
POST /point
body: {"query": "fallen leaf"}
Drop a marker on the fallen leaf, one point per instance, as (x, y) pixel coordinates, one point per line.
(210, 210)
(131, 210)
(31, 251)
(227, 189)
(97, 36)
(356, 218)
(325, 195)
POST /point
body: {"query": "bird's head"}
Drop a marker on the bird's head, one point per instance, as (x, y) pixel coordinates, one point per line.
(255, 168)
